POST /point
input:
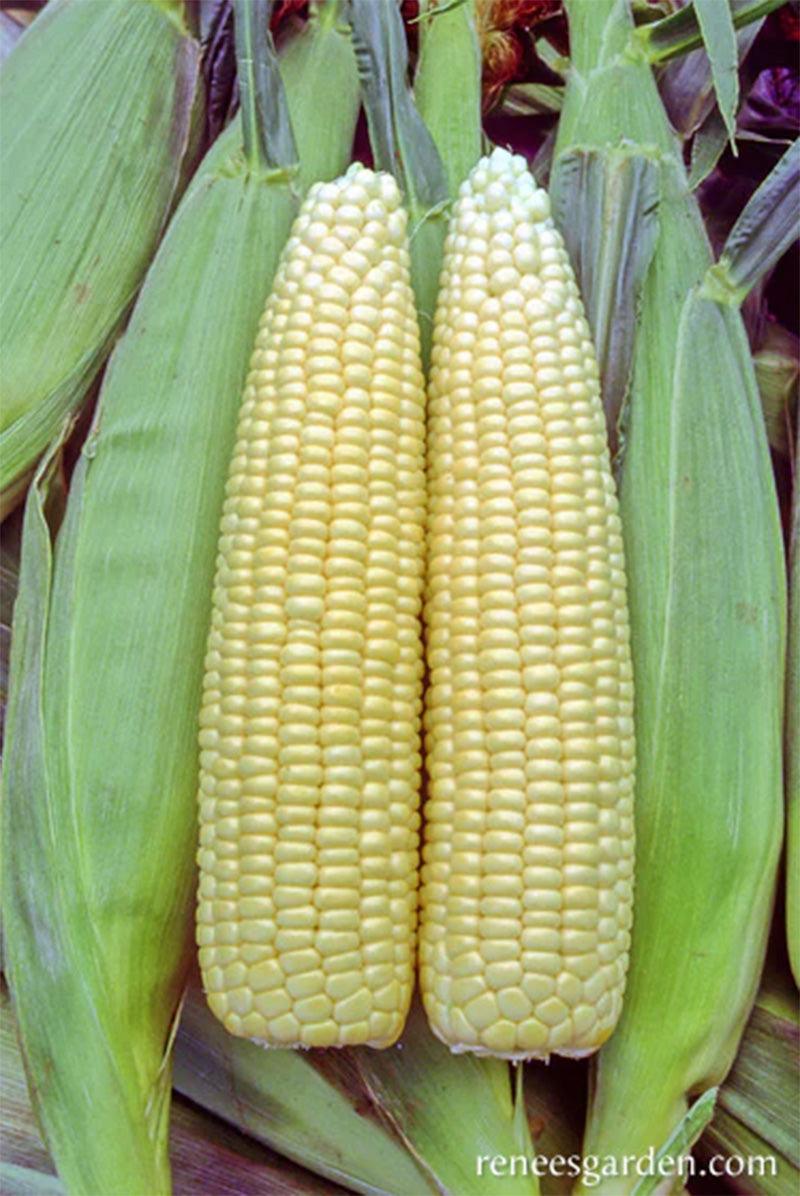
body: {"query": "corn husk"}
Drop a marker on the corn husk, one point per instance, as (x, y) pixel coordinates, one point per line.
(447, 86)
(212, 1158)
(109, 634)
(99, 116)
(792, 735)
(706, 587)
(291, 1102)
(402, 145)
(207, 1155)
(411, 1119)
(756, 1116)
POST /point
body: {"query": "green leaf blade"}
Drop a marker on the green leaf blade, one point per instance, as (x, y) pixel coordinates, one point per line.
(606, 204)
(719, 38)
(767, 226)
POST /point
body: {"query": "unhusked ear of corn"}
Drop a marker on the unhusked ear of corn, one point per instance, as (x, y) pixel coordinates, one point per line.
(526, 886)
(309, 727)
(706, 588)
(100, 774)
(97, 103)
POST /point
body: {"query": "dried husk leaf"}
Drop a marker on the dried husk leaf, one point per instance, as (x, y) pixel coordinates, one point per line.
(98, 114)
(756, 1115)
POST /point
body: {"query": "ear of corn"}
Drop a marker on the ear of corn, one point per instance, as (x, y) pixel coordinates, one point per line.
(208, 1156)
(97, 106)
(526, 897)
(309, 782)
(706, 590)
(100, 780)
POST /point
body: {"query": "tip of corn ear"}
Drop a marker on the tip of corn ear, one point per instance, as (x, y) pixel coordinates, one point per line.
(501, 178)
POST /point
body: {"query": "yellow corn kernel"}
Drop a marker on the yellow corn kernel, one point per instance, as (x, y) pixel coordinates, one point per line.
(310, 722)
(528, 859)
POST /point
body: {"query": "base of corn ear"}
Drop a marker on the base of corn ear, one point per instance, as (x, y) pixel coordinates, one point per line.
(309, 1106)
(385, 1123)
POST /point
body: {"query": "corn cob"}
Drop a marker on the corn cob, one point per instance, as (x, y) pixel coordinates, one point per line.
(706, 591)
(310, 760)
(526, 897)
(98, 119)
(106, 675)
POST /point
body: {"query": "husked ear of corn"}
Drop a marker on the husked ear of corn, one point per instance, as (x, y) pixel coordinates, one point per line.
(310, 720)
(97, 103)
(527, 880)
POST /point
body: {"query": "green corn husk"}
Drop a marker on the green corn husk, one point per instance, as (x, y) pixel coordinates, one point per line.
(792, 738)
(109, 634)
(290, 1101)
(207, 1155)
(706, 587)
(450, 1110)
(407, 1121)
(447, 86)
(99, 107)
(756, 1116)
(22, 1146)
(402, 145)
